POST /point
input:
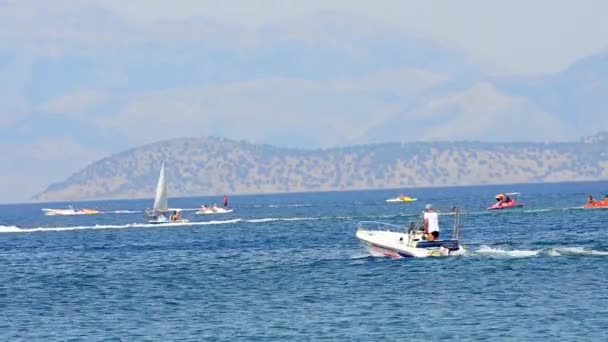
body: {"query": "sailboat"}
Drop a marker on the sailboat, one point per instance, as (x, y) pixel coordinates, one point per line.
(160, 209)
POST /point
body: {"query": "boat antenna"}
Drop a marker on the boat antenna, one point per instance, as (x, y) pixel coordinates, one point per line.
(456, 231)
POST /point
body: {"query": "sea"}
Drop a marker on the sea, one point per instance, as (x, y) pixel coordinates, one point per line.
(288, 267)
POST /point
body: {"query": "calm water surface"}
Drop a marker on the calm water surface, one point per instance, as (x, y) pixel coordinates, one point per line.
(288, 267)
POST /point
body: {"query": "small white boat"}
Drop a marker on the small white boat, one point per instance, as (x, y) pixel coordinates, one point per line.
(204, 210)
(388, 240)
(400, 199)
(69, 212)
(160, 209)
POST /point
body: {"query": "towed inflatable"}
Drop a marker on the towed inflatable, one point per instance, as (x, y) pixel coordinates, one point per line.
(506, 201)
(595, 204)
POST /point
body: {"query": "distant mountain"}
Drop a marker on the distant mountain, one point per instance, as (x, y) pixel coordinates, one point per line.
(574, 96)
(205, 166)
(78, 81)
(341, 79)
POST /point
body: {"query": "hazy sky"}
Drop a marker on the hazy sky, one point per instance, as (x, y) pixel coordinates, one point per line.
(83, 79)
(521, 36)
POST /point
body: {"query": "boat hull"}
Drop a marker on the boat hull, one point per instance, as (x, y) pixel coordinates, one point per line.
(596, 205)
(393, 245)
(506, 206)
(69, 212)
(210, 212)
(400, 200)
(168, 222)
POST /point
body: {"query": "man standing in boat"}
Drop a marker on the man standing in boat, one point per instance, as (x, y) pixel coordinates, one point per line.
(225, 201)
(431, 223)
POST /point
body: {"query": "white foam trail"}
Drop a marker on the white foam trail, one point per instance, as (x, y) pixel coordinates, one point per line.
(539, 210)
(273, 219)
(556, 251)
(561, 251)
(15, 229)
(9, 229)
(122, 212)
(262, 220)
(284, 205)
(507, 253)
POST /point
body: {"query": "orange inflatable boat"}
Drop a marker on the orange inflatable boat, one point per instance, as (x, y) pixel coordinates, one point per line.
(592, 203)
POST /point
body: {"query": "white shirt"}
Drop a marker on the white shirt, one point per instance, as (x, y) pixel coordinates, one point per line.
(433, 220)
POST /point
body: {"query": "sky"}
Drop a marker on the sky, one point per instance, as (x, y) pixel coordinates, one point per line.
(85, 79)
(521, 36)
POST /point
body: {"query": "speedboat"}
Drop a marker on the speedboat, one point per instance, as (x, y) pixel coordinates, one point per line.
(401, 198)
(204, 210)
(69, 211)
(387, 240)
(506, 201)
(160, 209)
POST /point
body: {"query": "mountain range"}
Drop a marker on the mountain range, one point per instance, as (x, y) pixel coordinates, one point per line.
(212, 166)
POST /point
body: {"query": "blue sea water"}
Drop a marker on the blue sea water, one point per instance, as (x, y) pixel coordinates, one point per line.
(288, 267)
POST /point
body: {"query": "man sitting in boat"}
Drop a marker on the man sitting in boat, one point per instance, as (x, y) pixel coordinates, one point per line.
(175, 216)
(431, 223)
(591, 200)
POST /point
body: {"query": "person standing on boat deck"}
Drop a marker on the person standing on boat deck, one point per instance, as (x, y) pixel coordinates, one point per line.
(225, 201)
(431, 223)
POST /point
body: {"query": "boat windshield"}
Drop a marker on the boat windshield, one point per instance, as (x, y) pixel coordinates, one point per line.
(374, 225)
(448, 219)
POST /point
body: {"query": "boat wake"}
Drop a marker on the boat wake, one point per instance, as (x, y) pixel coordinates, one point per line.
(275, 219)
(296, 205)
(15, 229)
(122, 212)
(527, 253)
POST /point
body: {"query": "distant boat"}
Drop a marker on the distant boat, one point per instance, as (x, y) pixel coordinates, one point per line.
(69, 212)
(596, 204)
(205, 210)
(506, 201)
(160, 208)
(400, 199)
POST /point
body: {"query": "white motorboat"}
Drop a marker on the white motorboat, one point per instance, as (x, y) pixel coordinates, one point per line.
(388, 240)
(69, 211)
(204, 210)
(160, 209)
(401, 199)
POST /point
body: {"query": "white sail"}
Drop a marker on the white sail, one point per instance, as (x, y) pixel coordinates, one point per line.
(160, 199)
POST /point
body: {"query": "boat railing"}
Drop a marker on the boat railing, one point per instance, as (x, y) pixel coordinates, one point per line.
(375, 225)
